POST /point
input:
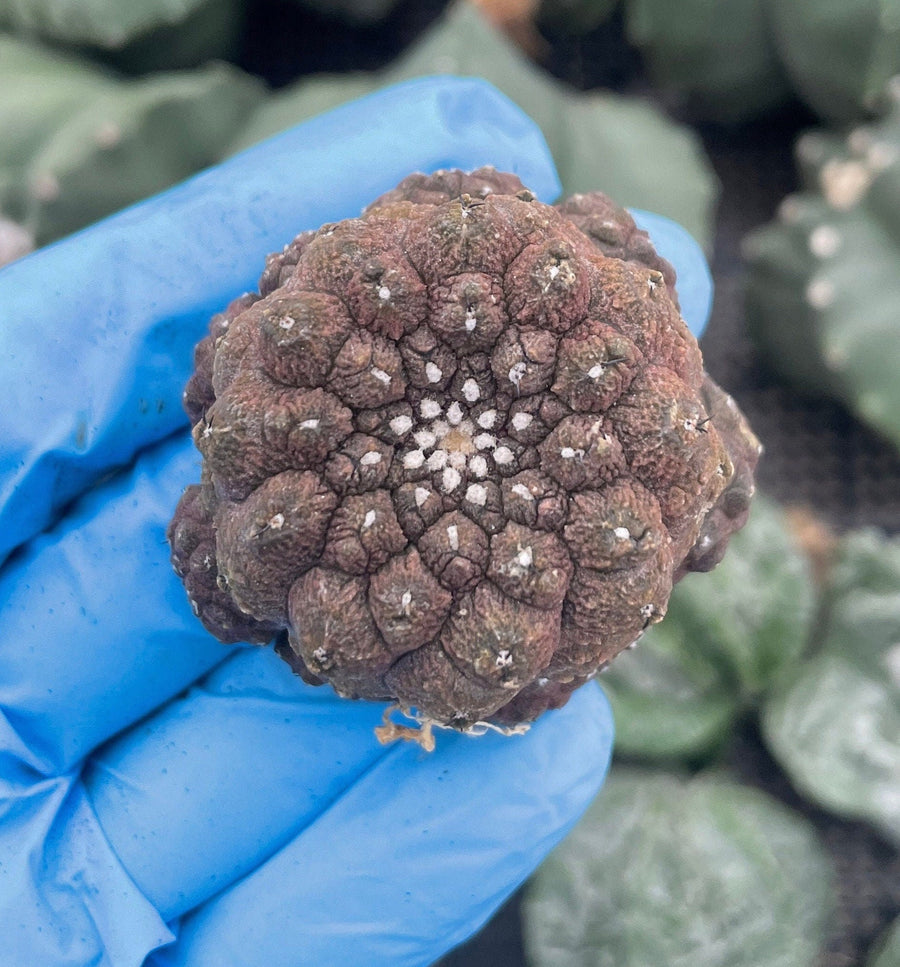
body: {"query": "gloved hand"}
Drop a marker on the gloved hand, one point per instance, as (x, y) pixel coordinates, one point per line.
(163, 796)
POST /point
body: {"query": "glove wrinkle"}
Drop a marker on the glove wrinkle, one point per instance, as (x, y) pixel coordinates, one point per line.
(210, 786)
(66, 901)
(102, 577)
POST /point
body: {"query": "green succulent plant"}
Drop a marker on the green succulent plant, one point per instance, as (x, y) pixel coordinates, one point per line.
(79, 143)
(823, 296)
(833, 725)
(683, 873)
(733, 60)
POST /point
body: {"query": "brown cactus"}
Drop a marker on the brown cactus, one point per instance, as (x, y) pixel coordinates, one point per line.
(456, 451)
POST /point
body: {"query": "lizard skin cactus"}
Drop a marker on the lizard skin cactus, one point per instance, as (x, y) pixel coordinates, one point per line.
(823, 292)
(456, 451)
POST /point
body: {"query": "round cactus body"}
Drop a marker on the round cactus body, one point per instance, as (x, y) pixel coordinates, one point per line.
(457, 451)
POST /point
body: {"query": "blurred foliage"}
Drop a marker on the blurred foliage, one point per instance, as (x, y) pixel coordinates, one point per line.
(835, 725)
(623, 146)
(733, 60)
(838, 53)
(727, 638)
(80, 143)
(823, 296)
(681, 873)
(716, 55)
(143, 36)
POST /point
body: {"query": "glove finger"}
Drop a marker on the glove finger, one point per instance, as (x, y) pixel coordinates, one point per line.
(678, 246)
(415, 856)
(98, 329)
(97, 629)
(211, 785)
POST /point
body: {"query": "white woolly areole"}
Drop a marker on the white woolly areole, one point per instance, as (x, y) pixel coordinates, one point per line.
(401, 424)
(520, 490)
(430, 409)
(521, 421)
(487, 419)
(476, 494)
(470, 390)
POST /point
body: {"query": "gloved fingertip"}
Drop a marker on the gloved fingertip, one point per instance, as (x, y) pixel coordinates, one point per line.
(695, 283)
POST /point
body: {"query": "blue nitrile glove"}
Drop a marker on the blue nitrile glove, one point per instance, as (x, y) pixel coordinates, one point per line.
(158, 791)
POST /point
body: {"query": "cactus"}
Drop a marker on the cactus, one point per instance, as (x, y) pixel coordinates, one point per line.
(150, 35)
(716, 54)
(500, 451)
(823, 296)
(622, 144)
(839, 54)
(85, 144)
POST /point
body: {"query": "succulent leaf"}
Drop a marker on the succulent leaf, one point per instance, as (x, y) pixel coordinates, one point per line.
(152, 34)
(86, 144)
(717, 54)
(839, 55)
(834, 725)
(737, 880)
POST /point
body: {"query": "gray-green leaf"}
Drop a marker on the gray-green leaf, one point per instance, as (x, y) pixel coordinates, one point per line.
(835, 728)
(663, 872)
